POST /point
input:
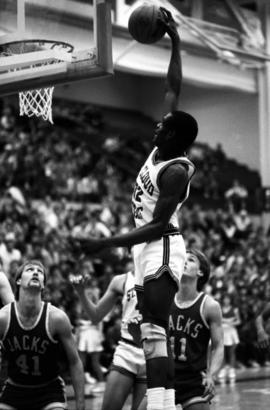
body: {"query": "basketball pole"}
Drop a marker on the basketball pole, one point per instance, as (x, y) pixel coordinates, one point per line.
(20, 17)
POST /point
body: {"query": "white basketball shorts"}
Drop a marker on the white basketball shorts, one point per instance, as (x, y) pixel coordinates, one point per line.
(152, 259)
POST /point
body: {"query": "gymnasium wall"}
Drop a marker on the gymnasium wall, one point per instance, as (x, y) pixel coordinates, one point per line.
(226, 116)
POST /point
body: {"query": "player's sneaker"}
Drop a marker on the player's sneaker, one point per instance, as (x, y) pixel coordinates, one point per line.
(254, 365)
(98, 388)
(89, 379)
(232, 374)
(223, 373)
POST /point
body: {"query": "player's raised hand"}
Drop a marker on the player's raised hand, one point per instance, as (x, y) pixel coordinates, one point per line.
(169, 22)
(80, 282)
(209, 383)
(263, 339)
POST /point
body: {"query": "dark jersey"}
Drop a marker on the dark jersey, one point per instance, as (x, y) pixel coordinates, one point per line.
(32, 354)
(189, 335)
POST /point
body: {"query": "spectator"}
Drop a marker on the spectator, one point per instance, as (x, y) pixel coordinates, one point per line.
(243, 224)
(89, 341)
(36, 164)
(237, 196)
(230, 321)
(8, 252)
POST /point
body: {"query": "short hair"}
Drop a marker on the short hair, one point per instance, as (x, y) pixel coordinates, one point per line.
(204, 266)
(20, 271)
(185, 127)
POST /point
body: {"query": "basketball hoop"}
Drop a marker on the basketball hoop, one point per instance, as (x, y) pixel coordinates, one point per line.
(37, 102)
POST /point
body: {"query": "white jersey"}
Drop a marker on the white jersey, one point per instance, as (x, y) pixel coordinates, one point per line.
(129, 302)
(146, 190)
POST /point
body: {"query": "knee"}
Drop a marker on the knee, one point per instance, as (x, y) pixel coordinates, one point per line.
(154, 341)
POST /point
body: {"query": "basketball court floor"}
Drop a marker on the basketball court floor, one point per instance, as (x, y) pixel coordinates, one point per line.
(245, 395)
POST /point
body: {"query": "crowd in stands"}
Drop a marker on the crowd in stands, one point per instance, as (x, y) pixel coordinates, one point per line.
(74, 177)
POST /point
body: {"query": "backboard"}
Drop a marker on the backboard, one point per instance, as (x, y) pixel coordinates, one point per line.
(49, 42)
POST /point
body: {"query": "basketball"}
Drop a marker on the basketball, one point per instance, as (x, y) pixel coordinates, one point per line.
(144, 24)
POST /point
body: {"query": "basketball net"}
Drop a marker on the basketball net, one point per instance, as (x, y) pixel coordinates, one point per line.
(37, 103)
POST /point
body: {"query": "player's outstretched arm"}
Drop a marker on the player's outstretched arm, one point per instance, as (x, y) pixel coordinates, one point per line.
(213, 317)
(6, 294)
(174, 176)
(97, 311)
(263, 337)
(62, 330)
(174, 74)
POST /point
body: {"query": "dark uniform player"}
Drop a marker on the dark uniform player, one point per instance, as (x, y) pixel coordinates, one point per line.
(31, 332)
(262, 327)
(6, 296)
(195, 320)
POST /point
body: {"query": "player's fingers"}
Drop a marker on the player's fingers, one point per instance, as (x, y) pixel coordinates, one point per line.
(211, 396)
(205, 393)
(76, 279)
(209, 390)
(204, 380)
(263, 344)
(166, 15)
(134, 321)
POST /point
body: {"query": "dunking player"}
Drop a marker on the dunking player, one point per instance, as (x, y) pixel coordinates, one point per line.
(127, 374)
(31, 332)
(161, 187)
(195, 320)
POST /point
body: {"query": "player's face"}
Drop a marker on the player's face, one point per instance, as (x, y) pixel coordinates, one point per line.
(32, 276)
(162, 131)
(192, 266)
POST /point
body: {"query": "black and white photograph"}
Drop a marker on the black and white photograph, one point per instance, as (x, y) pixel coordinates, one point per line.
(134, 204)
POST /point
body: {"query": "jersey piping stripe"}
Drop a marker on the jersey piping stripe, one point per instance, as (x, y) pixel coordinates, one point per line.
(32, 386)
(129, 342)
(139, 288)
(187, 165)
(161, 270)
(128, 373)
(165, 262)
(8, 322)
(47, 324)
(7, 407)
(198, 399)
(201, 312)
(36, 321)
(55, 405)
(190, 304)
(166, 250)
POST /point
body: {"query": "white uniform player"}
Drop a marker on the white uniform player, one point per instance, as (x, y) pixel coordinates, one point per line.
(128, 357)
(128, 371)
(167, 253)
(161, 187)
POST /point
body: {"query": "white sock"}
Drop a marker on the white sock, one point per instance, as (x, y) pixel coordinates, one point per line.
(155, 398)
(169, 400)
